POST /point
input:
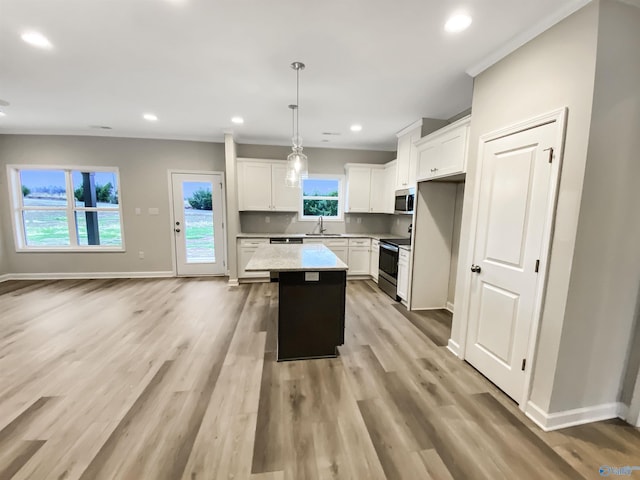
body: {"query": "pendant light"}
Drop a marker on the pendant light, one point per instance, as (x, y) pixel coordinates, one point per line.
(297, 164)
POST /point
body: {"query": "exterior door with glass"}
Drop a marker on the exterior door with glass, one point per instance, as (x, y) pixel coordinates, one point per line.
(198, 223)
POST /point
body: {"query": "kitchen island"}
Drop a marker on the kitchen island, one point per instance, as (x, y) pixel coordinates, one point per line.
(312, 286)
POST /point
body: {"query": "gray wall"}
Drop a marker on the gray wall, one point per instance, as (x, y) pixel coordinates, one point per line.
(455, 243)
(554, 70)
(605, 276)
(4, 267)
(321, 160)
(143, 168)
(285, 222)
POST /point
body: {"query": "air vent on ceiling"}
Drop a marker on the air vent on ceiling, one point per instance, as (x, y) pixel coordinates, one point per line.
(100, 127)
(331, 133)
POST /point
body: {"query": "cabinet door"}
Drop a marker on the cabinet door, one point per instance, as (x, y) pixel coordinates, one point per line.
(377, 195)
(389, 192)
(374, 261)
(428, 159)
(402, 172)
(285, 199)
(359, 260)
(341, 252)
(403, 275)
(244, 255)
(453, 149)
(414, 136)
(254, 186)
(358, 189)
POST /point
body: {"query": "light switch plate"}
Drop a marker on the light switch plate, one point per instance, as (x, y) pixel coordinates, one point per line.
(138, 211)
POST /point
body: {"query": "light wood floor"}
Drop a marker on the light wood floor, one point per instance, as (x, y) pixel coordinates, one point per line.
(176, 379)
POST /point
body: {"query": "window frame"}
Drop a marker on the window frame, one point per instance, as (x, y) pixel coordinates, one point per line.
(314, 218)
(17, 208)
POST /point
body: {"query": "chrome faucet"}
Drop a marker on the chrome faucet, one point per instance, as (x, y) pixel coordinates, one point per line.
(321, 223)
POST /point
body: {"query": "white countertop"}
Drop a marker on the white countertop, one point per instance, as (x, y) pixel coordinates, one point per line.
(294, 258)
(376, 236)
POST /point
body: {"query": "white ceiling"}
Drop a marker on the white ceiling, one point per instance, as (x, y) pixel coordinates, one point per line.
(197, 63)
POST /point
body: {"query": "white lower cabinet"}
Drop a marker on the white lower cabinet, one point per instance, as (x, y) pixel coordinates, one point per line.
(403, 275)
(359, 256)
(246, 248)
(374, 261)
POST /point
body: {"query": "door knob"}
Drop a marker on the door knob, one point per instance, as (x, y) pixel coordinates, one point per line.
(177, 223)
(476, 268)
(177, 230)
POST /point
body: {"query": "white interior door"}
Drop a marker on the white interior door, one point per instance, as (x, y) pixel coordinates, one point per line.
(197, 223)
(515, 182)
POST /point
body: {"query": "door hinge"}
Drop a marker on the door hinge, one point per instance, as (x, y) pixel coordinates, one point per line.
(524, 363)
(220, 185)
(550, 150)
(223, 229)
(537, 265)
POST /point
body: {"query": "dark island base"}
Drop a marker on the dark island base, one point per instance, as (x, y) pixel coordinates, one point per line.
(311, 314)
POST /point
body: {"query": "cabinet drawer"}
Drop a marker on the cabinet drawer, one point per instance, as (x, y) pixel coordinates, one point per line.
(313, 240)
(359, 242)
(253, 242)
(336, 242)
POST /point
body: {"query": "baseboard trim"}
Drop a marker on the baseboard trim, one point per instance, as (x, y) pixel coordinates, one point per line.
(5, 277)
(453, 347)
(233, 282)
(571, 418)
(427, 309)
(449, 307)
(88, 275)
(623, 412)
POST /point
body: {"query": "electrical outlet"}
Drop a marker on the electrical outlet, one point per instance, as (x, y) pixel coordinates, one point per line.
(397, 221)
(348, 220)
(359, 220)
(138, 211)
(293, 219)
(141, 255)
(267, 219)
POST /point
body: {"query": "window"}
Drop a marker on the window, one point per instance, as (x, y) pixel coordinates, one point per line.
(63, 208)
(321, 196)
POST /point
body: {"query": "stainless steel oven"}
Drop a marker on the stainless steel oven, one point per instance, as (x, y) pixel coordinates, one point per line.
(388, 264)
(388, 268)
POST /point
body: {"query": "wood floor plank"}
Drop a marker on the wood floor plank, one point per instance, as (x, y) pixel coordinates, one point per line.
(177, 378)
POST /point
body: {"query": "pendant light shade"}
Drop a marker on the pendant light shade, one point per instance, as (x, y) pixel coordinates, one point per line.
(297, 163)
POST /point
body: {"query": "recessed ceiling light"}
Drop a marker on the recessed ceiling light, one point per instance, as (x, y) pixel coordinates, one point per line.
(356, 128)
(2, 114)
(457, 23)
(150, 117)
(238, 120)
(36, 39)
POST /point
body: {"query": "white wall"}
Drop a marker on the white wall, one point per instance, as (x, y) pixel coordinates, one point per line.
(143, 168)
(554, 70)
(605, 276)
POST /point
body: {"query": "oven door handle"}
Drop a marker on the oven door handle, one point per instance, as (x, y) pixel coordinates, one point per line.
(393, 248)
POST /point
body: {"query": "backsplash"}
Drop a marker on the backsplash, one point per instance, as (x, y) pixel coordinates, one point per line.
(400, 225)
(286, 222)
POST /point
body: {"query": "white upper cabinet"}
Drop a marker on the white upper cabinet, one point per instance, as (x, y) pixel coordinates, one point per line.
(284, 198)
(444, 152)
(358, 189)
(407, 159)
(261, 186)
(368, 188)
(378, 197)
(389, 193)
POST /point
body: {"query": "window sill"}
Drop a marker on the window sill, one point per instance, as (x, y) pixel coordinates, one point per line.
(324, 219)
(71, 250)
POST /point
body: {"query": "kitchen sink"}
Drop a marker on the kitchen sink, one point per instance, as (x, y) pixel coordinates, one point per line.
(323, 234)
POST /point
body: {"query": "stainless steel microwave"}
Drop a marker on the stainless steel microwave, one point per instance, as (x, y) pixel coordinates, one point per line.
(404, 200)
